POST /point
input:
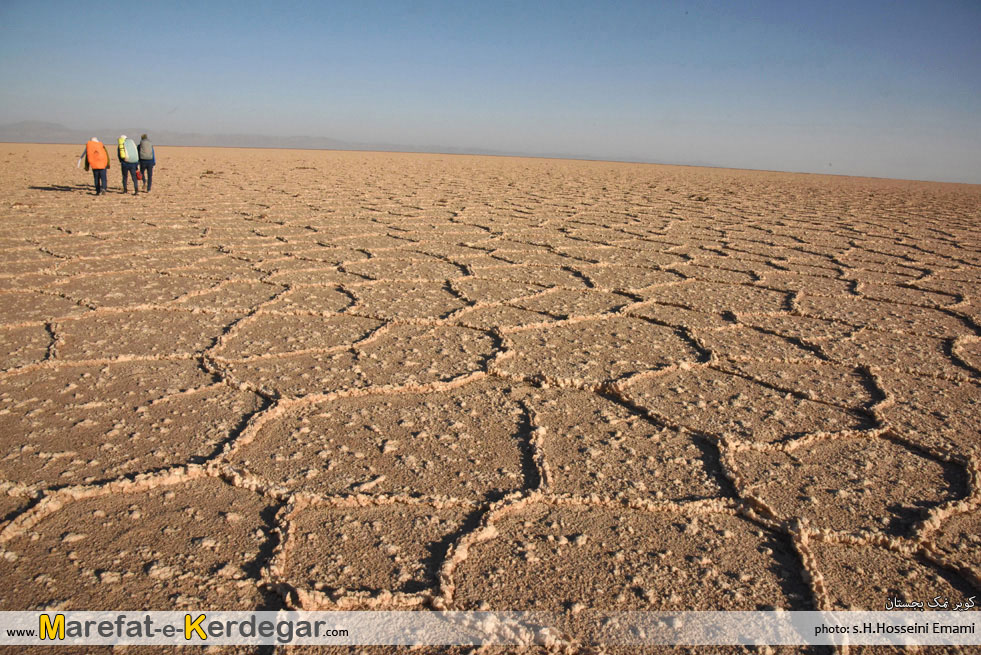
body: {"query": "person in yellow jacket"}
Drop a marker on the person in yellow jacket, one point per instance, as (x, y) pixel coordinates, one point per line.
(97, 158)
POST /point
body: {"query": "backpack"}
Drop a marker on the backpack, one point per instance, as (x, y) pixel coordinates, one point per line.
(146, 150)
(128, 152)
(95, 154)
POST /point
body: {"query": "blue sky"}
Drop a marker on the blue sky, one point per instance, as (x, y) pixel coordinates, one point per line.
(888, 89)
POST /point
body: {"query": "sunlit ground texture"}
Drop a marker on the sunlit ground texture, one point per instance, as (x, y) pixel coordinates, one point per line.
(331, 380)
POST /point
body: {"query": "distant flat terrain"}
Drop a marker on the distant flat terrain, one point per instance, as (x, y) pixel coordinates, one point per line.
(319, 380)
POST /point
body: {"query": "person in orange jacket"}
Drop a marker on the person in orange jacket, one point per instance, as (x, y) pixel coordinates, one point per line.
(97, 158)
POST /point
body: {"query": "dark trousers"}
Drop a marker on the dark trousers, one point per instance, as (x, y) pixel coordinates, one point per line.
(146, 170)
(131, 169)
(101, 181)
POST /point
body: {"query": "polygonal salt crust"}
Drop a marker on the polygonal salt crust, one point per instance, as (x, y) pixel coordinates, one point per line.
(224, 267)
(360, 225)
(233, 296)
(404, 269)
(883, 316)
(274, 334)
(548, 276)
(869, 253)
(822, 381)
(615, 559)
(957, 288)
(534, 258)
(30, 267)
(476, 262)
(11, 506)
(791, 258)
(146, 261)
(404, 252)
(444, 239)
(306, 299)
(565, 303)
(25, 282)
(891, 293)
(79, 425)
(594, 351)
(623, 256)
(405, 355)
(100, 228)
(935, 413)
(799, 327)
(292, 234)
(397, 548)
(971, 309)
(715, 402)
(959, 539)
(593, 445)
(315, 276)
(805, 269)
(739, 343)
(87, 247)
(866, 578)
(891, 352)
(478, 290)
(24, 306)
(714, 298)
(849, 484)
(866, 276)
(299, 375)
(405, 300)
(970, 352)
(443, 250)
(466, 442)
(967, 277)
(811, 284)
(714, 274)
(194, 545)
(500, 317)
(596, 232)
(330, 256)
(370, 242)
(125, 289)
(678, 316)
(24, 345)
(289, 263)
(260, 254)
(501, 245)
(611, 276)
(146, 333)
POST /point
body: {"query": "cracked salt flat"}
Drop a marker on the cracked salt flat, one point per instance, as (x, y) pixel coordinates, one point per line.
(490, 383)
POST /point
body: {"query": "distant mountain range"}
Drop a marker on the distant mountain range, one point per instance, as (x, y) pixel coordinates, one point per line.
(42, 132)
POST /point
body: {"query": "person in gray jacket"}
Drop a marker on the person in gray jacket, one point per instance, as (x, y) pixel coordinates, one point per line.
(148, 159)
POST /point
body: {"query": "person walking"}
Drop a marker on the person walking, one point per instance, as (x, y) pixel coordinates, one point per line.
(148, 160)
(129, 158)
(97, 158)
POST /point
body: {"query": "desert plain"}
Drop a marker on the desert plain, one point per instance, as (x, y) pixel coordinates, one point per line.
(348, 380)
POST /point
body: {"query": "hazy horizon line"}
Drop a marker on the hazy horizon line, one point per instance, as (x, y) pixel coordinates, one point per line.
(71, 138)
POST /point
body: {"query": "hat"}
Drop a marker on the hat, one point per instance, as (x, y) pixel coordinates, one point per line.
(122, 136)
(96, 139)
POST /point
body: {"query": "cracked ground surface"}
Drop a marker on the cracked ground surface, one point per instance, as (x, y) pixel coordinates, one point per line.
(327, 380)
